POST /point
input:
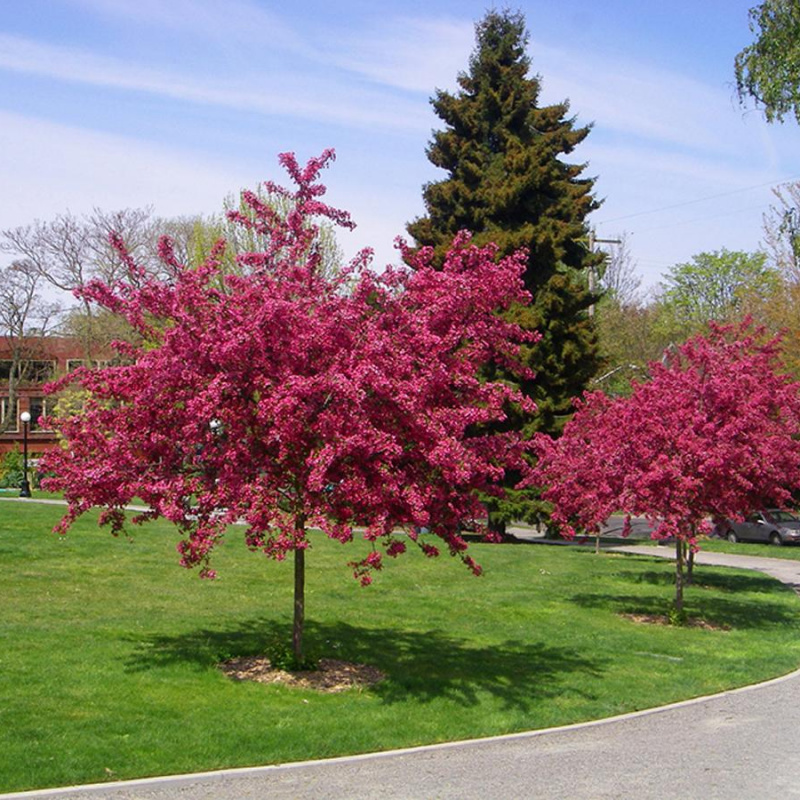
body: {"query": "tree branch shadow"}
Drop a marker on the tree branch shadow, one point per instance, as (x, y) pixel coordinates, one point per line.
(424, 664)
(719, 581)
(727, 612)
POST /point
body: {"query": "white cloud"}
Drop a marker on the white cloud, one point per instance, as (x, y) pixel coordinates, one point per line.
(414, 54)
(285, 94)
(637, 100)
(660, 137)
(236, 21)
(51, 168)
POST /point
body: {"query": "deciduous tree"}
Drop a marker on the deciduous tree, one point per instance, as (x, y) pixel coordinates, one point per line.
(782, 231)
(713, 434)
(275, 398)
(768, 70)
(68, 252)
(620, 279)
(714, 285)
(25, 319)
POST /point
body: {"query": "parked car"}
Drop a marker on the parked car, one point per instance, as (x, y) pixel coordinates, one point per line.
(773, 525)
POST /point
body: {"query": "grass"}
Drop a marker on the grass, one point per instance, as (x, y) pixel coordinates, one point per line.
(107, 669)
(788, 551)
(761, 549)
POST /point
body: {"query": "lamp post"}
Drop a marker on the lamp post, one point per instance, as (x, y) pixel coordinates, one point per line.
(25, 489)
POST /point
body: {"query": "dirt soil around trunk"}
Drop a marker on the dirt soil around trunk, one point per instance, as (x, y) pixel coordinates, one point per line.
(331, 675)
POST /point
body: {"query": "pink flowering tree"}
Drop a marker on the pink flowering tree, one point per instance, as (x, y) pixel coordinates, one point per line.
(713, 434)
(286, 399)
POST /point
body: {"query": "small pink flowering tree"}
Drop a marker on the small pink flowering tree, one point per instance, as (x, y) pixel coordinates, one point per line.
(713, 434)
(287, 399)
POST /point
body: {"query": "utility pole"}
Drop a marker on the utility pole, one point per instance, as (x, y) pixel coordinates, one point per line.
(593, 240)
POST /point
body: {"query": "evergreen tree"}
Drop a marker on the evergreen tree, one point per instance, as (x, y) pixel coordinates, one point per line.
(507, 183)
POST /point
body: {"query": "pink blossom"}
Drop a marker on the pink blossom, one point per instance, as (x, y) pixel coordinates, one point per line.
(281, 397)
(714, 433)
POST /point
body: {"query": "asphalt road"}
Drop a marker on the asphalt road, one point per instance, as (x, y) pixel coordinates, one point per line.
(740, 744)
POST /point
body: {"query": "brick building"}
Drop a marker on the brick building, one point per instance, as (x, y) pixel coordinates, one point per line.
(46, 358)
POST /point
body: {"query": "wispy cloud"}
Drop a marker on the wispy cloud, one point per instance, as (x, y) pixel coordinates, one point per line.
(356, 76)
(640, 101)
(416, 54)
(51, 168)
(284, 94)
(54, 167)
(236, 21)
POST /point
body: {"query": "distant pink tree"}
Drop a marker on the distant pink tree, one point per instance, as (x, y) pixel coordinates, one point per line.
(714, 433)
(286, 399)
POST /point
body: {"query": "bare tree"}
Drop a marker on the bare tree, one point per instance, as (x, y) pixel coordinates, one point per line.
(25, 319)
(68, 252)
(782, 231)
(620, 279)
(134, 225)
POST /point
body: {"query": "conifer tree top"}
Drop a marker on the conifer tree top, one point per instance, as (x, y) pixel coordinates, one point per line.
(510, 181)
(502, 42)
(507, 179)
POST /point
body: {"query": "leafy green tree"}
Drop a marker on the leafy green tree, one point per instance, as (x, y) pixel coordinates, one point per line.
(509, 182)
(714, 286)
(619, 277)
(631, 337)
(769, 69)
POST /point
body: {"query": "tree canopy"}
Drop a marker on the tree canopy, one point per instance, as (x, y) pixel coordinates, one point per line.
(768, 70)
(713, 286)
(714, 433)
(276, 398)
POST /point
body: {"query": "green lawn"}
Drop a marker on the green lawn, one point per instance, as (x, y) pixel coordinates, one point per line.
(762, 549)
(107, 669)
(755, 549)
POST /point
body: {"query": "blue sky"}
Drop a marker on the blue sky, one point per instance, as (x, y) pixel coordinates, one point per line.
(123, 103)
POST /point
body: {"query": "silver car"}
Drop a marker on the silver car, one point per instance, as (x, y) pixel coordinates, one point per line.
(773, 526)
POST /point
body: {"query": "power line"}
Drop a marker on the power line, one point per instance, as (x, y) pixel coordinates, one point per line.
(697, 200)
(697, 220)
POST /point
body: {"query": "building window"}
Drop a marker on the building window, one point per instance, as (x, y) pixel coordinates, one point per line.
(38, 407)
(6, 412)
(75, 363)
(27, 370)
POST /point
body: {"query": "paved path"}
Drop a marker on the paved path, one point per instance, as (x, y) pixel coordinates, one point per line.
(739, 744)
(784, 569)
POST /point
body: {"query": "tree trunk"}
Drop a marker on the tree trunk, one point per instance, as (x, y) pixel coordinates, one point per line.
(299, 603)
(299, 594)
(497, 526)
(679, 575)
(87, 334)
(690, 567)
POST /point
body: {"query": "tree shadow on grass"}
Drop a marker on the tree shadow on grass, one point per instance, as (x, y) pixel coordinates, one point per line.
(424, 664)
(719, 581)
(725, 612)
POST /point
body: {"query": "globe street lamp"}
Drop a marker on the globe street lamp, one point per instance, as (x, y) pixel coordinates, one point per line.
(25, 489)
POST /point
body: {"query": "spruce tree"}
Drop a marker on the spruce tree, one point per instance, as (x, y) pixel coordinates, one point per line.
(508, 183)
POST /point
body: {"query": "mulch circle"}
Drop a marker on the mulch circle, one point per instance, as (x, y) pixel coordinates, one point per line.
(663, 619)
(332, 675)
